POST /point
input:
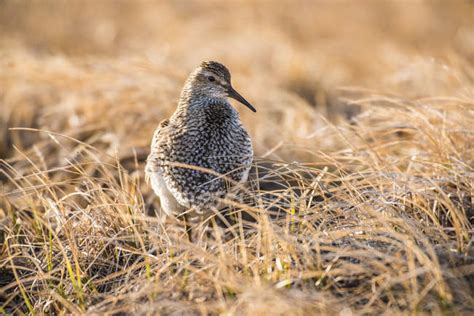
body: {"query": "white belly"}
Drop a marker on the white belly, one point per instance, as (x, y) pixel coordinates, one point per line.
(169, 205)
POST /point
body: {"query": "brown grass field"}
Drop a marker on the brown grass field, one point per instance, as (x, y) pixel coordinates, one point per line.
(365, 122)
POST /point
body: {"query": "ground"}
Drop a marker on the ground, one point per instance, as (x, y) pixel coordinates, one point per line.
(363, 203)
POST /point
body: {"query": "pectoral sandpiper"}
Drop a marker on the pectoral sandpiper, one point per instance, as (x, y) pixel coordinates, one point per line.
(202, 150)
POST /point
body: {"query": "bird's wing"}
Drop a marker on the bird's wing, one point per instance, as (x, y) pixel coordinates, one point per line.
(152, 162)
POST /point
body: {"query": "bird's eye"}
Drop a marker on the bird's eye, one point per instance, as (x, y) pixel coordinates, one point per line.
(211, 78)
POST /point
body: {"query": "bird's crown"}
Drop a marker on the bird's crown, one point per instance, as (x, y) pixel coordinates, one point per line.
(217, 68)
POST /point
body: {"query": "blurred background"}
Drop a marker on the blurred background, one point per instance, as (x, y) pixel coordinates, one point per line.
(115, 68)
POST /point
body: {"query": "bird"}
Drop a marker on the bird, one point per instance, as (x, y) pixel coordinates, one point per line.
(203, 150)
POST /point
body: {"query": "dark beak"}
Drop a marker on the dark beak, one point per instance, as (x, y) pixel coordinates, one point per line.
(235, 95)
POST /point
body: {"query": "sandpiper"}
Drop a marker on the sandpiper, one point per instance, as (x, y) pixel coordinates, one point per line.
(202, 150)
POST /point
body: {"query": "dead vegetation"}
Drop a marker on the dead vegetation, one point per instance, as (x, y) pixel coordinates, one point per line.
(365, 119)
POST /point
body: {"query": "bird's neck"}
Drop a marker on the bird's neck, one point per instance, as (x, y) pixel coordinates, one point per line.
(193, 100)
(197, 107)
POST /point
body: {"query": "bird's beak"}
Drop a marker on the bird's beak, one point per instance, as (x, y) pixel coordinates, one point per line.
(235, 95)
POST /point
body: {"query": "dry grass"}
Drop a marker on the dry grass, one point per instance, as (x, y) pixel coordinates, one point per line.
(365, 113)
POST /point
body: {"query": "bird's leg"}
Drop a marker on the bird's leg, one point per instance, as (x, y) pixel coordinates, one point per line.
(215, 230)
(187, 227)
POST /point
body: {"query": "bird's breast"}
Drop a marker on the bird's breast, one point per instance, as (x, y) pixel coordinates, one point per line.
(210, 140)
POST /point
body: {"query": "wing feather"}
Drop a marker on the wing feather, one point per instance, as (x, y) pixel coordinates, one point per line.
(153, 161)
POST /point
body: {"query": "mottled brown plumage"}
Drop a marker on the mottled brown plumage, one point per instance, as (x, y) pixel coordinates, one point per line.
(203, 149)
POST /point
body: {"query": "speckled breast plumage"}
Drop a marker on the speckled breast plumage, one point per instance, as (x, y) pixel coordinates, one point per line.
(202, 153)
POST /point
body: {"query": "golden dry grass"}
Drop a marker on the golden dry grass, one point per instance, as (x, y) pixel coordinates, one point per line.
(365, 110)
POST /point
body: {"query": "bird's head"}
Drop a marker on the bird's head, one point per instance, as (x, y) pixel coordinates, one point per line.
(212, 79)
